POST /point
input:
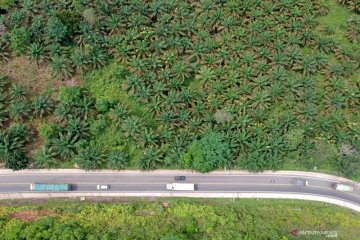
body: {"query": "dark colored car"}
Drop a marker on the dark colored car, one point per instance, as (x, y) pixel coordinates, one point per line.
(180, 178)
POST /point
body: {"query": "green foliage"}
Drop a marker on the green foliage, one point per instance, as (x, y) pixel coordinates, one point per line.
(39, 230)
(210, 152)
(149, 159)
(42, 106)
(70, 230)
(102, 105)
(47, 130)
(69, 19)
(175, 219)
(5, 4)
(19, 40)
(90, 158)
(69, 95)
(118, 159)
(272, 77)
(56, 31)
(64, 145)
(18, 110)
(45, 157)
(348, 165)
(294, 138)
(36, 52)
(322, 153)
(60, 67)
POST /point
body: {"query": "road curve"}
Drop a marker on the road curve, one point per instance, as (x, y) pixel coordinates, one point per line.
(153, 183)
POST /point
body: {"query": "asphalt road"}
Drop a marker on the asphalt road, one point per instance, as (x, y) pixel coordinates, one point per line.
(150, 182)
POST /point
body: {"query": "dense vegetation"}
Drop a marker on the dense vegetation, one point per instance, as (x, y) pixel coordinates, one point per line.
(195, 84)
(176, 220)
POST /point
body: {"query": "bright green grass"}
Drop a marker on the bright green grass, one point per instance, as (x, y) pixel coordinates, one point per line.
(337, 20)
(104, 85)
(182, 218)
(337, 15)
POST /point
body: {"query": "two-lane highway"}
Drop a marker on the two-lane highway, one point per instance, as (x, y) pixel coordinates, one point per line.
(155, 182)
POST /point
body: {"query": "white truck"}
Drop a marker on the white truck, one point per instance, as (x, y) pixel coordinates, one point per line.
(342, 187)
(180, 187)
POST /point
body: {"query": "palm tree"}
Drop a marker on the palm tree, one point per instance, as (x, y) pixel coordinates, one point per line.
(307, 111)
(63, 112)
(11, 151)
(45, 157)
(4, 81)
(307, 65)
(118, 159)
(64, 145)
(335, 100)
(3, 115)
(149, 159)
(16, 160)
(77, 128)
(9, 144)
(278, 74)
(294, 54)
(118, 113)
(132, 126)
(181, 69)
(4, 52)
(148, 137)
(42, 106)
(80, 60)
(36, 52)
(17, 92)
(97, 57)
(260, 100)
(334, 70)
(60, 67)
(308, 37)
(85, 108)
(18, 110)
(90, 158)
(325, 44)
(155, 105)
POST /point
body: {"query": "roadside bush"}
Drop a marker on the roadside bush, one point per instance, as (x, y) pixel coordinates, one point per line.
(90, 158)
(209, 153)
(118, 159)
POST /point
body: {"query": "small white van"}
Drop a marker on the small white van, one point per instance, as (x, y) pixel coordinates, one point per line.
(103, 187)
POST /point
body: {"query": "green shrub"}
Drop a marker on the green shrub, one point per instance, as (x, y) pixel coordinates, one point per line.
(19, 40)
(69, 95)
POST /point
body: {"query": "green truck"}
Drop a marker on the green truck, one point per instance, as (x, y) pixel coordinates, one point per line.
(47, 187)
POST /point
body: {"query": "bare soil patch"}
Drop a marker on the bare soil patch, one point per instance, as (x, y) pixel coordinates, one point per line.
(25, 72)
(35, 79)
(31, 215)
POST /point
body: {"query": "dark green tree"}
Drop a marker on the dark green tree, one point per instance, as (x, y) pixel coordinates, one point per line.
(90, 158)
(36, 53)
(118, 159)
(42, 106)
(210, 152)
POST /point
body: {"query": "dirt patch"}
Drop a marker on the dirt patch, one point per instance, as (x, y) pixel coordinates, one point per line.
(165, 204)
(31, 215)
(74, 81)
(35, 79)
(25, 72)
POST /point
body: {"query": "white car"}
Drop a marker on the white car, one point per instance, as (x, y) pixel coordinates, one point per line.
(103, 187)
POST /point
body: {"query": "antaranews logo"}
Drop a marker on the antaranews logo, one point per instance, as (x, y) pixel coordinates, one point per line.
(327, 234)
(294, 232)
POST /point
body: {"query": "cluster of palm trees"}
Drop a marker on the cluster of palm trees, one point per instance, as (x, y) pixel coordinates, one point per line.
(354, 5)
(253, 70)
